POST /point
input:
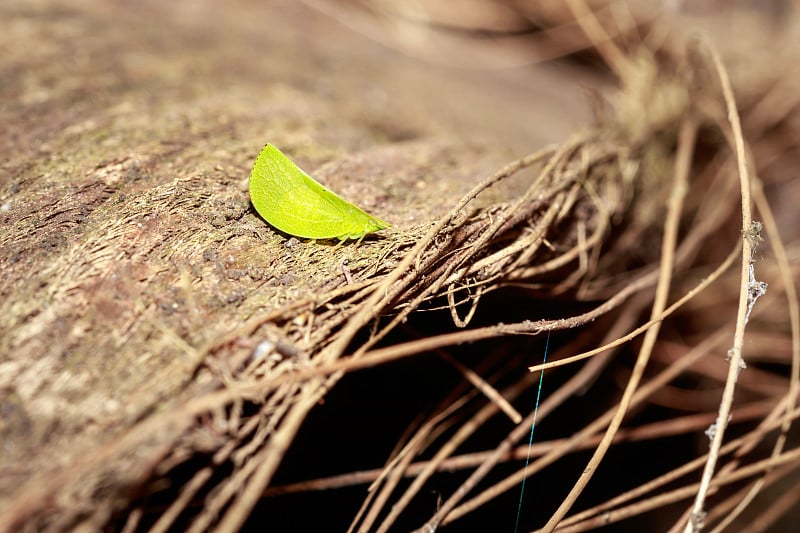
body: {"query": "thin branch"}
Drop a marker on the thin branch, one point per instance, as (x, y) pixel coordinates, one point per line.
(695, 522)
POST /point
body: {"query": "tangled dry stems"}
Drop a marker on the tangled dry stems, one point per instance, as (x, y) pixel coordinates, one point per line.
(561, 221)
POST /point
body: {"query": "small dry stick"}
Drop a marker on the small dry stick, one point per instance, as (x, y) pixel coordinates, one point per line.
(696, 518)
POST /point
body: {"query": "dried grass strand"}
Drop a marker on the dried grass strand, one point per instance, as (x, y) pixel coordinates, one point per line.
(694, 523)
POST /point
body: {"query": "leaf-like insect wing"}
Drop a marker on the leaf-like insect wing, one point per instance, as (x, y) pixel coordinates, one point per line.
(293, 202)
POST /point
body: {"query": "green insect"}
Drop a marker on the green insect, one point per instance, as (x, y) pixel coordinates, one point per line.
(290, 200)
